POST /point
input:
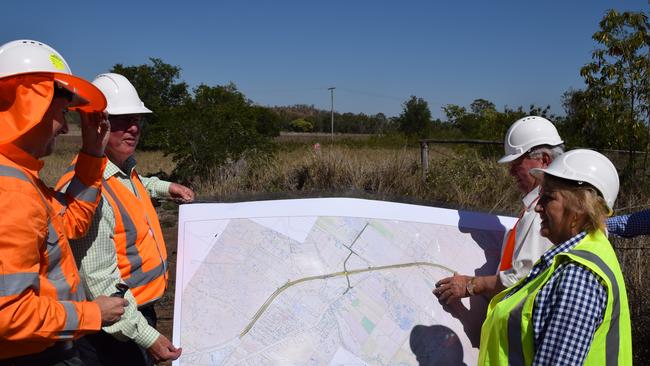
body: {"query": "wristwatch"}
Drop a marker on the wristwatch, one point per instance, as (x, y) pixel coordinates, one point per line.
(470, 287)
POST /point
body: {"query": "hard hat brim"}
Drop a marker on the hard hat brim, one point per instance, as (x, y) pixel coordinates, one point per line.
(128, 110)
(88, 98)
(91, 99)
(509, 158)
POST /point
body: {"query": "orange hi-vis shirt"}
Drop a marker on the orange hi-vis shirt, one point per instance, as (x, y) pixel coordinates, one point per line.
(139, 242)
(41, 297)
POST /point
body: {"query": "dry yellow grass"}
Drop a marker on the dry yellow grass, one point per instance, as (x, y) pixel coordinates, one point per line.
(372, 173)
(149, 162)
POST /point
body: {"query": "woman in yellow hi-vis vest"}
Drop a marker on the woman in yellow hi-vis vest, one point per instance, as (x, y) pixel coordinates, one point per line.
(572, 308)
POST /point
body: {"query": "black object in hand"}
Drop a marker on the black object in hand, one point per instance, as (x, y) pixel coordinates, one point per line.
(121, 290)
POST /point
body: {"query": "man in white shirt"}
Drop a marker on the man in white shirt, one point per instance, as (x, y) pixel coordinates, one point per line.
(531, 142)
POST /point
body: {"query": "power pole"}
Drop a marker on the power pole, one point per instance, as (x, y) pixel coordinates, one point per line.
(332, 96)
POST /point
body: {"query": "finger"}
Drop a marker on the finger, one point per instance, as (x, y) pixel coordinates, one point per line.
(444, 295)
(172, 348)
(103, 121)
(88, 117)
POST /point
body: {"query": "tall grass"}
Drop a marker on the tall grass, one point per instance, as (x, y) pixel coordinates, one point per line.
(368, 172)
(149, 162)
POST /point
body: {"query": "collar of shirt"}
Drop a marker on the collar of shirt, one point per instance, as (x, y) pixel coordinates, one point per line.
(22, 158)
(530, 199)
(547, 258)
(113, 170)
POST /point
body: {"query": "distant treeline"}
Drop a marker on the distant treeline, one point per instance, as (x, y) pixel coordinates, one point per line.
(307, 118)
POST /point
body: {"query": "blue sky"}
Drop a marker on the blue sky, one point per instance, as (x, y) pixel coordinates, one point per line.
(376, 53)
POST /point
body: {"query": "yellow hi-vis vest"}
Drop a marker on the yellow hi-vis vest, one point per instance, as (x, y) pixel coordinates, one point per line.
(507, 334)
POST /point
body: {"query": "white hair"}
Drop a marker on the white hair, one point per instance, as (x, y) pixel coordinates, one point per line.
(552, 151)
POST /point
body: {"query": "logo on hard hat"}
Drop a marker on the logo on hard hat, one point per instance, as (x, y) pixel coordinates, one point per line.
(57, 62)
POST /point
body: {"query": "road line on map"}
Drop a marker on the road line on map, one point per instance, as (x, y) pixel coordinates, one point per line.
(268, 302)
(345, 262)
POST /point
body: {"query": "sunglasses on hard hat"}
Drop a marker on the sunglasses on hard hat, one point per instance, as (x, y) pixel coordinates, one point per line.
(122, 122)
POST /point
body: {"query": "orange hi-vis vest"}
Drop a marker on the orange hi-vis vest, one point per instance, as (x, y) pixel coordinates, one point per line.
(509, 249)
(41, 297)
(139, 243)
(141, 252)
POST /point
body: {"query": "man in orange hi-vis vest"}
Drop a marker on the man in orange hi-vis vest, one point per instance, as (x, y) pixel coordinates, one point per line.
(42, 303)
(125, 244)
(531, 142)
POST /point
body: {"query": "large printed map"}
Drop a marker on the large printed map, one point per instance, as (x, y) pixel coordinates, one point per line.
(328, 282)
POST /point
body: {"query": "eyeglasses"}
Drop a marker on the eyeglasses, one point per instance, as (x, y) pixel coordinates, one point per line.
(124, 121)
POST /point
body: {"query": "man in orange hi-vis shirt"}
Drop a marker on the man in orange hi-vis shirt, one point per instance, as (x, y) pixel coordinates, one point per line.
(42, 303)
(531, 142)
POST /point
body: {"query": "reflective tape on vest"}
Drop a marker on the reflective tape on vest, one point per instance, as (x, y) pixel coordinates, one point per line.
(515, 347)
(55, 271)
(8, 171)
(612, 339)
(81, 191)
(137, 277)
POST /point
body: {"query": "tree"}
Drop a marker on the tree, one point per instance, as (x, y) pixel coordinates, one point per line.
(485, 122)
(618, 78)
(216, 127)
(301, 125)
(415, 118)
(588, 122)
(483, 107)
(267, 121)
(158, 87)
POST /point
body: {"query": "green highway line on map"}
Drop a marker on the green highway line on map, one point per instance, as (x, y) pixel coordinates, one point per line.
(268, 302)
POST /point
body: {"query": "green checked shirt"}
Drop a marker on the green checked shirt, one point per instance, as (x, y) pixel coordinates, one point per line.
(97, 260)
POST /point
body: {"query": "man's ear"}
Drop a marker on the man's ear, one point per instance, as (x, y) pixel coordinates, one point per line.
(546, 160)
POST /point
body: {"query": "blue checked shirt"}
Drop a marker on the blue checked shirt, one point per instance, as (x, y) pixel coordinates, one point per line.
(567, 310)
(629, 226)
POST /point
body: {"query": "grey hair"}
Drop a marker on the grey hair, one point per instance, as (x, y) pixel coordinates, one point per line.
(552, 151)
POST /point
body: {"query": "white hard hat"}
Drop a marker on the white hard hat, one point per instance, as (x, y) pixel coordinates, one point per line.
(527, 133)
(120, 94)
(23, 57)
(582, 165)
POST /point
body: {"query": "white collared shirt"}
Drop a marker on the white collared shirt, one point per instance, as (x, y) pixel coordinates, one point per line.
(529, 243)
